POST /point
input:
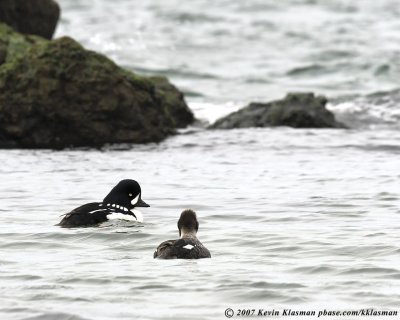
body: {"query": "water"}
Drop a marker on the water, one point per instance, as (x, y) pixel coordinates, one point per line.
(300, 219)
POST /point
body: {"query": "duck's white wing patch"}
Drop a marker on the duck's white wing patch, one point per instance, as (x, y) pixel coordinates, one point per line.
(188, 246)
(97, 210)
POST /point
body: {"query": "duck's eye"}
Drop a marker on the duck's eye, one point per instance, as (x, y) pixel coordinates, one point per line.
(130, 194)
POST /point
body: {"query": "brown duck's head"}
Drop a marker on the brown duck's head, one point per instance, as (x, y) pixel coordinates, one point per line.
(187, 223)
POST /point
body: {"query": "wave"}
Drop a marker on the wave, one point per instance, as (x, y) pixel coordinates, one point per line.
(56, 315)
(374, 111)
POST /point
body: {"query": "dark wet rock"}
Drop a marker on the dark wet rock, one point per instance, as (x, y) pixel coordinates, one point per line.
(297, 110)
(56, 94)
(174, 102)
(38, 17)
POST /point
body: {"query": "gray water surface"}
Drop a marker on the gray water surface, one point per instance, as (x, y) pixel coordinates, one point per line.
(220, 51)
(292, 218)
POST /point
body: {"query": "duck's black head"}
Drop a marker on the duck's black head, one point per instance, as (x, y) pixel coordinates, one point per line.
(126, 193)
(187, 222)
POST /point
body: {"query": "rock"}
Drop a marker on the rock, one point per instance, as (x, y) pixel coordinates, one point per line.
(56, 94)
(174, 101)
(13, 44)
(297, 110)
(38, 17)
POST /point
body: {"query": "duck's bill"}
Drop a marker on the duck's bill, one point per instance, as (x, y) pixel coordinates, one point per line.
(142, 204)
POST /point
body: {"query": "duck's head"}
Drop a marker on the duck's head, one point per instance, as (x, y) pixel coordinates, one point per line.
(126, 194)
(187, 223)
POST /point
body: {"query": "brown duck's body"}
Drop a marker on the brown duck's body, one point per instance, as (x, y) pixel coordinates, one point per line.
(185, 248)
(188, 246)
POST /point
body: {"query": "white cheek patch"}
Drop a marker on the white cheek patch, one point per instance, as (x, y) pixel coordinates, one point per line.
(135, 200)
(188, 247)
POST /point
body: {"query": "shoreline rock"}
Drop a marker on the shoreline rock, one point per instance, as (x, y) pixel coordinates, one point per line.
(174, 101)
(35, 17)
(297, 110)
(56, 94)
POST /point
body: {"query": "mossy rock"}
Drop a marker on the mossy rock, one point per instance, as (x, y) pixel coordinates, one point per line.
(13, 44)
(174, 101)
(56, 94)
(297, 110)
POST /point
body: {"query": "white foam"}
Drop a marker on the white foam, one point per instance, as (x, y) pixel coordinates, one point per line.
(362, 113)
(213, 111)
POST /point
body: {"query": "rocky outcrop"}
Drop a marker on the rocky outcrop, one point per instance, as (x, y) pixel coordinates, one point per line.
(13, 44)
(174, 101)
(298, 110)
(38, 17)
(56, 94)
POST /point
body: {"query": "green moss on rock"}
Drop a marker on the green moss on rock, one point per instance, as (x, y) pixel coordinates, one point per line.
(56, 94)
(13, 44)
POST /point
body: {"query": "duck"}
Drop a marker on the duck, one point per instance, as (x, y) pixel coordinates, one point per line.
(120, 203)
(188, 246)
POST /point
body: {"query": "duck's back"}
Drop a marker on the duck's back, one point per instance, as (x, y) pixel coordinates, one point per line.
(186, 248)
(88, 214)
